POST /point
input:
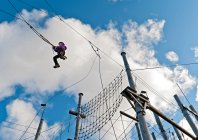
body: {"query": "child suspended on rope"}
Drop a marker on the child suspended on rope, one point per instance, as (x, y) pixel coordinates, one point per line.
(60, 49)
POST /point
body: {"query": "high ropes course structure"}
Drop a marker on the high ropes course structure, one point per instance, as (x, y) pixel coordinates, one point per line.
(101, 108)
(96, 113)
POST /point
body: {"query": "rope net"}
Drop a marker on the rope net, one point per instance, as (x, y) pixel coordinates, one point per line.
(101, 108)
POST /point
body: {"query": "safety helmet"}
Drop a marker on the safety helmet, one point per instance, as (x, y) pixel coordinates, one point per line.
(61, 43)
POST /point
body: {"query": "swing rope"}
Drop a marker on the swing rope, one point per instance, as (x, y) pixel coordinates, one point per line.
(30, 26)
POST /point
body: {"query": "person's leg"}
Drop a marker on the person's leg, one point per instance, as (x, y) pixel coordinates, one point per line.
(56, 61)
(62, 55)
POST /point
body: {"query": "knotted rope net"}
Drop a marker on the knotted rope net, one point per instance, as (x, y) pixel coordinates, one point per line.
(101, 108)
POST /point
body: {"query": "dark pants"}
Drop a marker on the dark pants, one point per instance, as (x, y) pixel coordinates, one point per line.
(55, 59)
(59, 55)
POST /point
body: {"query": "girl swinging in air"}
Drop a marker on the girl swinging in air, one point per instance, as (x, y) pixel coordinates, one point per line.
(60, 49)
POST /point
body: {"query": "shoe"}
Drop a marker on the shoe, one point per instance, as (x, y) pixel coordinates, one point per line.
(63, 57)
(56, 66)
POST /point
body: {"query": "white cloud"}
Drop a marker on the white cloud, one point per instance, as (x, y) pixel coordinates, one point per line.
(21, 113)
(172, 56)
(195, 49)
(35, 15)
(26, 60)
(30, 59)
(141, 39)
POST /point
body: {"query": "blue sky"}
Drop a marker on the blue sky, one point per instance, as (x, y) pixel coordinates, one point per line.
(155, 28)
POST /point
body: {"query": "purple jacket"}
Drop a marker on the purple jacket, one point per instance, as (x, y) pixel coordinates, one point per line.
(59, 48)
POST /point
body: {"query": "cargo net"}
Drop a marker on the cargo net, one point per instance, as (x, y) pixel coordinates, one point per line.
(101, 108)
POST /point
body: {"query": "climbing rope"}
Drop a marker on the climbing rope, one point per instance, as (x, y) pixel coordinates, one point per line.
(30, 26)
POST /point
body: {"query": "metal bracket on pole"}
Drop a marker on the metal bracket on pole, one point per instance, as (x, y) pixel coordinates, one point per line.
(78, 115)
(130, 94)
(142, 101)
(129, 116)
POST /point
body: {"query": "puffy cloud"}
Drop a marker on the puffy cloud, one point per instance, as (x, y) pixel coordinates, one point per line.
(21, 114)
(172, 56)
(147, 34)
(26, 60)
(30, 59)
(160, 83)
(195, 50)
(140, 40)
(35, 15)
